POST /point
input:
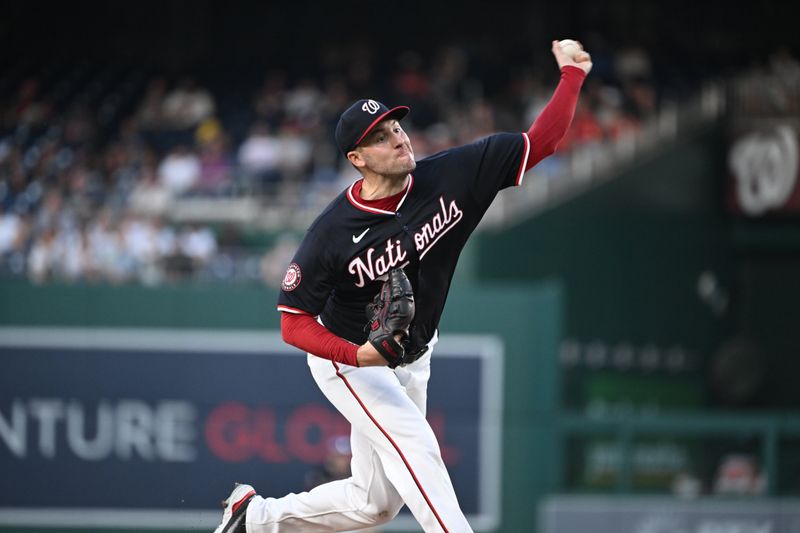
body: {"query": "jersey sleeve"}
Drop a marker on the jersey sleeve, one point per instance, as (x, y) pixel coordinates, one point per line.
(309, 278)
(493, 163)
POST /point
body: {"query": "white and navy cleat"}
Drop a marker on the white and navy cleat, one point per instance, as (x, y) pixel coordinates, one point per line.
(235, 509)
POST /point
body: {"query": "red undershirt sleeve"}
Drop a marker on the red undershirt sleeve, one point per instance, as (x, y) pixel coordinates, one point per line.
(552, 124)
(304, 332)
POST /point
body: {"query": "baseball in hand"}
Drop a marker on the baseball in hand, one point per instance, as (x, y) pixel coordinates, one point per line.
(570, 47)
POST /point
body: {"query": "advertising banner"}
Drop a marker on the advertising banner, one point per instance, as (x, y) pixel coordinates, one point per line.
(150, 428)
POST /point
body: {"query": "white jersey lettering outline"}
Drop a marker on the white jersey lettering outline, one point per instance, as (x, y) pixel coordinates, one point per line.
(383, 264)
(429, 234)
(440, 224)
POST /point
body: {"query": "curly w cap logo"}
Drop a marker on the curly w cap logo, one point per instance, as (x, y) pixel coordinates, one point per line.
(371, 107)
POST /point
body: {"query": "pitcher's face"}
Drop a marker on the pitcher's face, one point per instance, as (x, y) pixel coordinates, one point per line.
(386, 151)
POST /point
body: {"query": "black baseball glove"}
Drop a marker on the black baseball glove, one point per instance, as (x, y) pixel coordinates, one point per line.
(390, 314)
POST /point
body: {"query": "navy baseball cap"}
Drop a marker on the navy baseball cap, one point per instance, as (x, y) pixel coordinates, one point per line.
(360, 118)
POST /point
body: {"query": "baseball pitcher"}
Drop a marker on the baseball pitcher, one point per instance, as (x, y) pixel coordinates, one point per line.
(363, 297)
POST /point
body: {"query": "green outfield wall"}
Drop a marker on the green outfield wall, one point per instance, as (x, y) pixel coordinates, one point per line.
(630, 250)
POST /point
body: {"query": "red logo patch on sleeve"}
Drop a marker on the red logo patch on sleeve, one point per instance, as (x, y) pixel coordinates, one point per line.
(292, 278)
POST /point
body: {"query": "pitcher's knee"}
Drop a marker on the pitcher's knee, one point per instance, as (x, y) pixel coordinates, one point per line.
(383, 516)
(384, 512)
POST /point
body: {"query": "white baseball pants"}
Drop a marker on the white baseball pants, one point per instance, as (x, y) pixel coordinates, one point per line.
(396, 458)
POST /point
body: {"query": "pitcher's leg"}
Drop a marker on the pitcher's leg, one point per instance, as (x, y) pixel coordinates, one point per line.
(342, 505)
(375, 402)
(363, 500)
(401, 456)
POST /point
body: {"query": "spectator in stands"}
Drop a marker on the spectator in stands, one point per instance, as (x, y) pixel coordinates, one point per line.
(198, 243)
(43, 257)
(633, 62)
(54, 212)
(166, 238)
(303, 103)
(295, 152)
(186, 105)
(14, 183)
(61, 163)
(105, 246)
(139, 241)
(180, 170)
(12, 228)
(74, 263)
(216, 169)
(149, 196)
(259, 158)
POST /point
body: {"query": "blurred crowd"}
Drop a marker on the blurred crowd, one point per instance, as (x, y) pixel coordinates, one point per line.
(93, 158)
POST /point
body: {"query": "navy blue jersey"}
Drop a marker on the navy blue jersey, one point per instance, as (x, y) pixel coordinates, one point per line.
(348, 250)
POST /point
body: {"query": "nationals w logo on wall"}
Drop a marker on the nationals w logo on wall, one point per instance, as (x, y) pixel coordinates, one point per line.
(765, 168)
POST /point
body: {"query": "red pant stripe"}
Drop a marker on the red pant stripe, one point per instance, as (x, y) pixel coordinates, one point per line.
(394, 444)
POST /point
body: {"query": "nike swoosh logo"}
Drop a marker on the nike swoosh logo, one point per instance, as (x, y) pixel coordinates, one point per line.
(358, 239)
